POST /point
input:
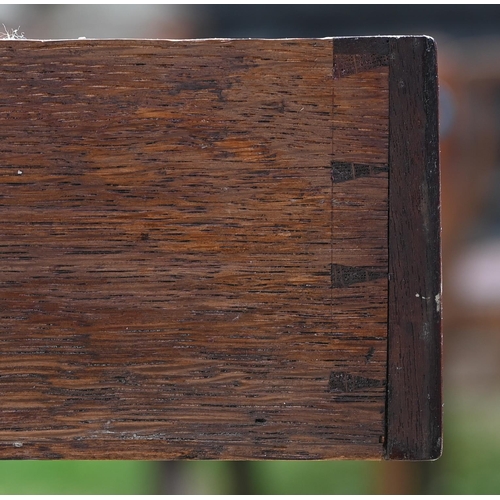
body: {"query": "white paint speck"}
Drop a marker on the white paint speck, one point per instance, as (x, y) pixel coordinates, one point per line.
(417, 295)
(437, 298)
(82, 38)
(19, 172)
(17, 444)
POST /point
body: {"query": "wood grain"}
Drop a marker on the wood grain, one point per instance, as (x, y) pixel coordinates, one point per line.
(414, 415)
(194, 249)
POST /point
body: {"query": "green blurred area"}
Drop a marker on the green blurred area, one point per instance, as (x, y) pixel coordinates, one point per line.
(129, 477)
(470, 463)
(314, 478)
(469, 466)
(77, 477)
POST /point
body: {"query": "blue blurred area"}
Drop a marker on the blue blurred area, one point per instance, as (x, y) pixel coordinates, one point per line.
(468, 38)
(347, 20)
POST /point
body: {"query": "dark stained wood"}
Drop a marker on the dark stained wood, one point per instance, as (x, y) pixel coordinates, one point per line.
(346, 65)
(361, 110)
(343, 171)
(195, 248)
(414, 427)
(363, 45)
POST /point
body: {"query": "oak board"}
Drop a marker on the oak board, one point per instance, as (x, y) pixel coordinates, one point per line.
(196, 244)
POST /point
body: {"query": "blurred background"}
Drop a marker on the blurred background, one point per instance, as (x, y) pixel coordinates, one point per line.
(468, 39)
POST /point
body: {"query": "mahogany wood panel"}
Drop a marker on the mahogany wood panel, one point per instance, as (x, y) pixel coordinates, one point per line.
(194, 248)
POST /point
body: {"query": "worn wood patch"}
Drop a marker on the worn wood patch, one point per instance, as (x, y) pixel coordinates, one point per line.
(194, 249)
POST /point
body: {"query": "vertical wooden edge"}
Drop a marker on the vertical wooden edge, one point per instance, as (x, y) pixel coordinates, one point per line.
(414, 389)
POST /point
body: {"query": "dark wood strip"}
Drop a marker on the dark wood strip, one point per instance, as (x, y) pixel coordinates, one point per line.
(414, 337)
